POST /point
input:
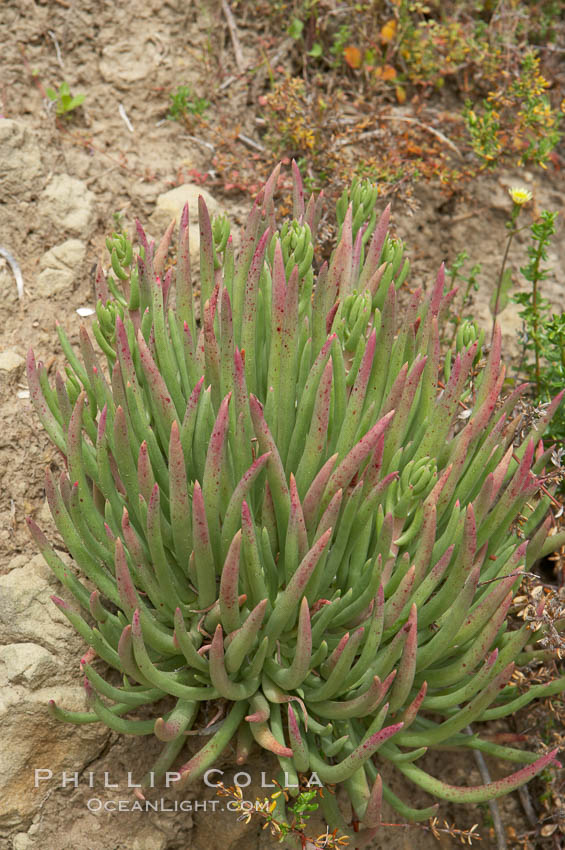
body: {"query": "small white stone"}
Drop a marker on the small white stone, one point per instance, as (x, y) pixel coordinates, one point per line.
(171, 204)
(11, 361)
(22, 841)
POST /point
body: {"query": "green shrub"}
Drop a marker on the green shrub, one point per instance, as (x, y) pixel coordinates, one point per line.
(544, 331)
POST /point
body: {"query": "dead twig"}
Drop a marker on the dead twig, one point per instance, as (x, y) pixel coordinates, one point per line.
(124, 117)
(16, 270)
(201, 142)
(493, 805)
(526, 802)
(92, 180)
(234, 35)
(256, 146)
(463, 216)
(227, 83)
(370, 134)
(53, 38)
(437, 133)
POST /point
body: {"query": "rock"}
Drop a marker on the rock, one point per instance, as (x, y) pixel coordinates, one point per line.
(149, 839)
(224, 831)
(26, 664)
(68, 205)
(20, 161)
(39, 661)
(18, 561)
(36, 825)
(27, 614)
(22, 841)
(44, 519)
(61, 266)
(11, 361)
(12, 367)
(34, 741)
(170, 205)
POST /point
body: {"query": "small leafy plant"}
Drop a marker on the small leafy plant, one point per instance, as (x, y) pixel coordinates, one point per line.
(185, 103)
(516, 121)
(501, 294)
(64, 100)
(289, 127)
(281, 511)
(544, 331)
(295, 817)
(536, 308)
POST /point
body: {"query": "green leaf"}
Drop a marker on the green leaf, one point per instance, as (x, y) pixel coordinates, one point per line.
(504, 295)
(76, 101)
(295, 29)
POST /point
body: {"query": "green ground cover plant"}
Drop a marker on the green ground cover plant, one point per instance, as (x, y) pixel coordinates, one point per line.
(184, 103)
(64, 101)
(277, 510)
(417, 90)
(544, 330)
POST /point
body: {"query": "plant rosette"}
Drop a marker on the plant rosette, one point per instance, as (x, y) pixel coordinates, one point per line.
(277, 510)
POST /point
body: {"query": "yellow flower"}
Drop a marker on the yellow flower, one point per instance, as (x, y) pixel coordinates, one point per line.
(520, 195)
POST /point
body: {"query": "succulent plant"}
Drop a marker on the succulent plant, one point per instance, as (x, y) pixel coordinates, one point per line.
(278, 508)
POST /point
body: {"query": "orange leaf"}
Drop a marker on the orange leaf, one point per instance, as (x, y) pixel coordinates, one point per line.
(352, 56)
(388, 31)
(388, 72)
(400, 94)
